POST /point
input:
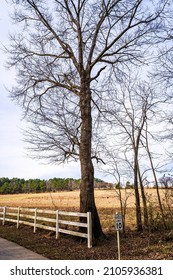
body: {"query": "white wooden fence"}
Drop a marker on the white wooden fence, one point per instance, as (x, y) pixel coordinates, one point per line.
(53, 220)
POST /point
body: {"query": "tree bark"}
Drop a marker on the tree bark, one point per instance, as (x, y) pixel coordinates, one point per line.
(87, 202)
(137, 197)
(144, 200)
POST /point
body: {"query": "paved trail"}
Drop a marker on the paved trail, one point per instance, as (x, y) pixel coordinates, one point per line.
(11, 251)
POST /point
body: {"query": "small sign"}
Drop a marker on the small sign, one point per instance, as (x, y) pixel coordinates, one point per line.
(118, 222)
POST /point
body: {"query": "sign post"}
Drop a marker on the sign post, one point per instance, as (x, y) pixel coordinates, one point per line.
(118, 227)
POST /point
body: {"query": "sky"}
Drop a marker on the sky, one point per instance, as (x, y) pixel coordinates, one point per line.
(13, 159)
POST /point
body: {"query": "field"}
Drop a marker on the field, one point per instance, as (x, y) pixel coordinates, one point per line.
(153, 245)
(107, 202)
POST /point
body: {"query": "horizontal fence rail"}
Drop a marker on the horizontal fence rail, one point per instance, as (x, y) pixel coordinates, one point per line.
(53, 220)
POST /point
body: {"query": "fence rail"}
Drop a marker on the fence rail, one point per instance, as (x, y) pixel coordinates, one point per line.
(53, 220)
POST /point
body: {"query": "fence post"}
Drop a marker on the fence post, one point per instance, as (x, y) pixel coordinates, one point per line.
(18, 217)
(35, 220)
(4, 213)
(57, 224)
(89, 229)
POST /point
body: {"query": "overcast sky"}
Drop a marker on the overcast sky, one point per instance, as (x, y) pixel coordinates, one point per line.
(13, 159)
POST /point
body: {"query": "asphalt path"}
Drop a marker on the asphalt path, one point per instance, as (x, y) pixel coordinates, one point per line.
(12, 251)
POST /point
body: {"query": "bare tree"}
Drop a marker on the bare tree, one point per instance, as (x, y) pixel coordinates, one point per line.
(144, 199)
(162, 74)
(166, 181)
(60, 53)
(117, 167)
(135, 103)
(154, 174)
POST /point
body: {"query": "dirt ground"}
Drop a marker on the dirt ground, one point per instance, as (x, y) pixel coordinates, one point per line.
(153, 245)
(134, 246)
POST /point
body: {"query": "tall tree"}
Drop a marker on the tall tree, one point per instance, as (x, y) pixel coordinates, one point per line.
(63, 49)
(154, 174)
(135, 102)
(162, 74)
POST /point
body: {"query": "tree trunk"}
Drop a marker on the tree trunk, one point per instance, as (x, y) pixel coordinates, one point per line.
(157, 189)
(137, 197)
(87, 202)
(123, 208)
(155, 179)
(144, 200)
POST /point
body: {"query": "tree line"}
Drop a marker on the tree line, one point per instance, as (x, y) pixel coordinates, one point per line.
(17, 185)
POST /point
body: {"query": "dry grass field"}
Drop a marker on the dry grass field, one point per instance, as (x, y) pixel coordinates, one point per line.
(107, 202)
(56, 200)
(146, 245)
(70, 199)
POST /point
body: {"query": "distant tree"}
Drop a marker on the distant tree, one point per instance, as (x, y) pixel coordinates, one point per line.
(3, 180)
(166, 181)
(5, 188)
(129, 185)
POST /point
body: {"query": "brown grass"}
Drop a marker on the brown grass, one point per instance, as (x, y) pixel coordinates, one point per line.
(107, 203)
(63, 200)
